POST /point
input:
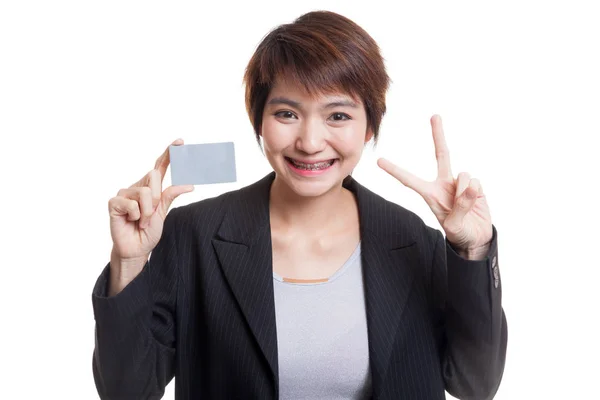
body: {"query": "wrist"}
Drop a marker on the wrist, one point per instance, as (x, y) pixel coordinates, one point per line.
(122, 272)
(477, 253)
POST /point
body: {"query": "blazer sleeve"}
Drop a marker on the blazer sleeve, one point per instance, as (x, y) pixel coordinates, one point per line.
(471, 321)
(135, 330)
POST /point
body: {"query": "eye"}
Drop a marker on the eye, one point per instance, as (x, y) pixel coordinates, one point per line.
(340, 117)
(285, 114)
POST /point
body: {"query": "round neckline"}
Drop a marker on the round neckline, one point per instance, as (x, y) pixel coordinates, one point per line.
(323, 281)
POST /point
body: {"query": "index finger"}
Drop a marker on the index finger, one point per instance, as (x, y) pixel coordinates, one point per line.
(163, 161)
(406, 178)
(442, 154)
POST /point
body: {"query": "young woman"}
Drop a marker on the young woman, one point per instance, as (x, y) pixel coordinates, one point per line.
(304, 284)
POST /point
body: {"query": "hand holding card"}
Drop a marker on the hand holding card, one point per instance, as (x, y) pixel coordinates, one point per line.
(201, 164)
(137, 216)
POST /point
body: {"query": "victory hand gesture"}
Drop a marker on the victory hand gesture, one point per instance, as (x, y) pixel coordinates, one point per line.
(459, 204)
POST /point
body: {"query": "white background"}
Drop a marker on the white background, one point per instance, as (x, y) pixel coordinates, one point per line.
(92, 92)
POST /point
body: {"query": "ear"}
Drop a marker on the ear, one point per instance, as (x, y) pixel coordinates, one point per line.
(369, 135)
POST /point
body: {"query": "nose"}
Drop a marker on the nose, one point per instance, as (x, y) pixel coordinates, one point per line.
(311, 138)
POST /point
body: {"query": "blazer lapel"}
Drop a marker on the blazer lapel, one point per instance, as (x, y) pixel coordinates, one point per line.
(243, 247)
(388, 252)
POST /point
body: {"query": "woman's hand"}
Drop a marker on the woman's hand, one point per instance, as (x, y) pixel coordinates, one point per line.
(459, 204)
(137, 213)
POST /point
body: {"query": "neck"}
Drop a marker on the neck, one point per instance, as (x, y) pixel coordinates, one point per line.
(310, 214)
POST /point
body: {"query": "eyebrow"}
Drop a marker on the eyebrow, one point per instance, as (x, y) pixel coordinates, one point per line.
(295, 104)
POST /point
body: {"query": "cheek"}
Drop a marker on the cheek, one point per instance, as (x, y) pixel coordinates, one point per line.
(274, 135)
(349, 141)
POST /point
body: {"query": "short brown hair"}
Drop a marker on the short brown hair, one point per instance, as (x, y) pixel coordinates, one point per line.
(322, 52)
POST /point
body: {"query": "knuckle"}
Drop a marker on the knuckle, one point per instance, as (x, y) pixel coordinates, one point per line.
(135, 211)
(131, 205)
(116, 202)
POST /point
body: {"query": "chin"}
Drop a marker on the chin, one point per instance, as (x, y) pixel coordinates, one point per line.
(312, 189)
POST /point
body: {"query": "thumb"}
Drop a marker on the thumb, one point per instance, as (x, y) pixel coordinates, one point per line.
(170, 194)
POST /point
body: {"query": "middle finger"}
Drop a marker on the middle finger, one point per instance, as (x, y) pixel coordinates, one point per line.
(441, 148)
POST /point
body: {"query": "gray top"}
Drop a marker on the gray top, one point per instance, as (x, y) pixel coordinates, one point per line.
(322, 336)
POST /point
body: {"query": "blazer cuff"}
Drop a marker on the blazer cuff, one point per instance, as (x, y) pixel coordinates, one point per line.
(462, 272)
(119, 310)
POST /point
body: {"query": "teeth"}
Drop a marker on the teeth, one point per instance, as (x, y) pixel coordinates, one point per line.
(312, 167)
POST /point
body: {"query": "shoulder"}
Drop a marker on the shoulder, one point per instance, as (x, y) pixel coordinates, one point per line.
(387, 218)
(207, 214)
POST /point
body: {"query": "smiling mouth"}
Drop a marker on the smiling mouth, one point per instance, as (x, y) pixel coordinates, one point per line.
(311, 167)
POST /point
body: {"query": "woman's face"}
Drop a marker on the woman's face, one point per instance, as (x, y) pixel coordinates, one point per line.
(312, 143)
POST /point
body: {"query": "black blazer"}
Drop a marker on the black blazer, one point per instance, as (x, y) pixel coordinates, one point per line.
(202, 309)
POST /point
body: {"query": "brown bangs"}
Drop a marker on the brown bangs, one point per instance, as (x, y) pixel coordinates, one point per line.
(323, 53)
